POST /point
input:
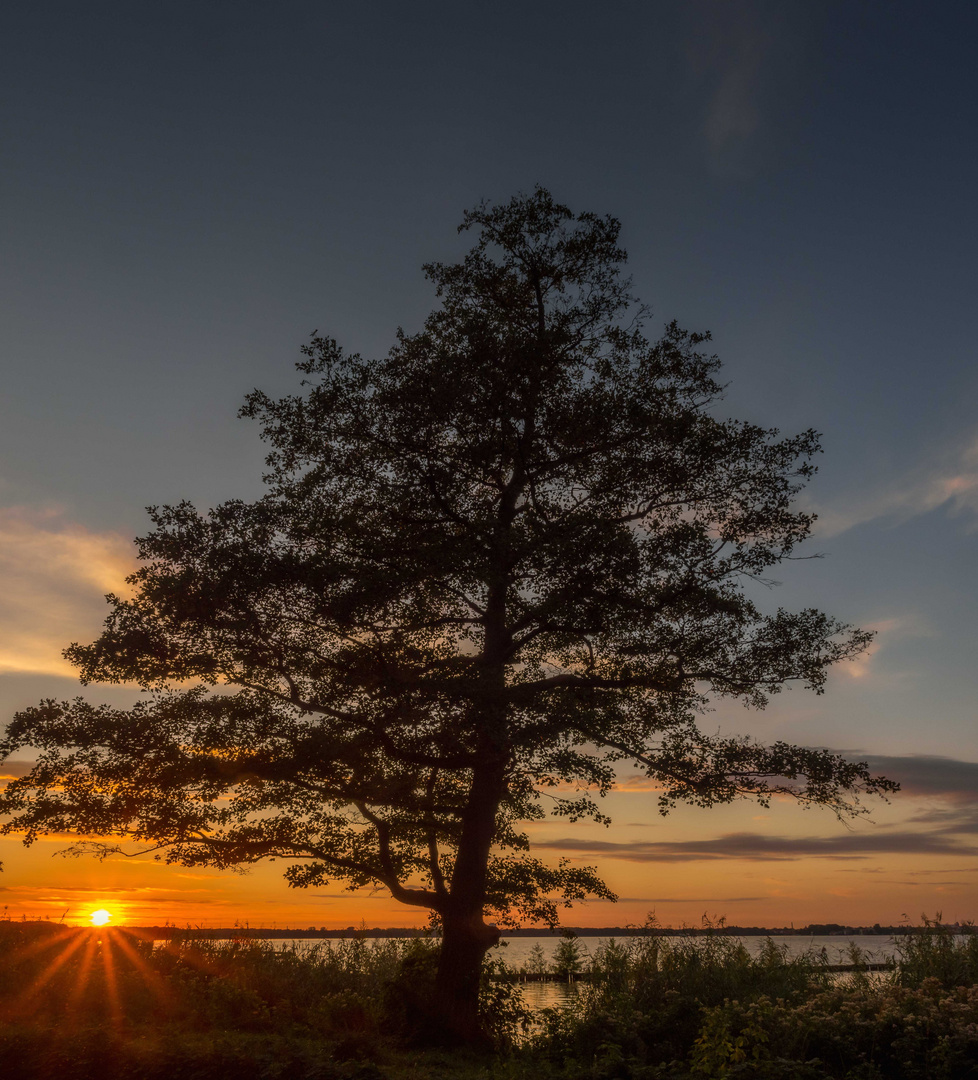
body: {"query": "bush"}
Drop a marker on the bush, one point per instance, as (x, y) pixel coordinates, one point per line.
(647, 994)
(701, 1006)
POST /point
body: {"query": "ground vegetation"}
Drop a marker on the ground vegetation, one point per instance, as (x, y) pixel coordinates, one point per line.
(653, 1008)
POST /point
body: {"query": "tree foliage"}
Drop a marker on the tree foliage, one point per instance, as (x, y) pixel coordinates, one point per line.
(489, 568)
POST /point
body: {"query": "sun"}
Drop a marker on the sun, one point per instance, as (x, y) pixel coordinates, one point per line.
(100, 917)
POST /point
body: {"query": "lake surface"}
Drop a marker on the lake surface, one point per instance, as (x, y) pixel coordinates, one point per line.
(518, 952)
(876, 948)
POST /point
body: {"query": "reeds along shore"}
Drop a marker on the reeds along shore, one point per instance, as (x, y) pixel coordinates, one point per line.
(104, 1004)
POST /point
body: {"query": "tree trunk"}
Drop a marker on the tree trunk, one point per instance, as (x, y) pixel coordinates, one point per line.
(465, 935)
(465, 941)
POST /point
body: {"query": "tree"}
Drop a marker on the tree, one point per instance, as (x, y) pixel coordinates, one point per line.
(488, 568)
(567, 956)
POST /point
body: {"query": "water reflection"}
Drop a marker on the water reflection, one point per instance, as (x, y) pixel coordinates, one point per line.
(548, 995)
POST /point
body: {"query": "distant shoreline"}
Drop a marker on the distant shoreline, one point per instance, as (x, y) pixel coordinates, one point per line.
(278, 933)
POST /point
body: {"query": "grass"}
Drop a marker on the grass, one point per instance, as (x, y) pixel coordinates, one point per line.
(105, 1005)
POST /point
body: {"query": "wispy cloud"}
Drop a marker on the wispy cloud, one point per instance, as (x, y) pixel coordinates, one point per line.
(886, 631)
(695, 899)
(760, 847)
(637, 782)
(53, 577)
(737, 56)
(951, 481)
(957, 870)
(140, 892)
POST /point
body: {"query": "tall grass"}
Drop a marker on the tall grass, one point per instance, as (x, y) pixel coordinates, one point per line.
(238, 983)
(932, 951)
(111, 1004)
(72, 995)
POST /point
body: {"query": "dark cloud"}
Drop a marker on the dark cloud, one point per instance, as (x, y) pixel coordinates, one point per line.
(763, 848)
(928, 774)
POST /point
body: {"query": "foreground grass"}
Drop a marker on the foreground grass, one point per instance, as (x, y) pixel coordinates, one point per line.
(105, 1006)
(33, 1053)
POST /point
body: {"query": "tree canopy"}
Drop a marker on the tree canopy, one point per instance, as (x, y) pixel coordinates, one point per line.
(489, 568)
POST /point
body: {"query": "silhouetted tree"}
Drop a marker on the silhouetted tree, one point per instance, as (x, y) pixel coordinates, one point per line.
(567, 959)
(488, 568)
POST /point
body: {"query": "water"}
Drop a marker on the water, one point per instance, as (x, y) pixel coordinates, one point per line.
(876, 948)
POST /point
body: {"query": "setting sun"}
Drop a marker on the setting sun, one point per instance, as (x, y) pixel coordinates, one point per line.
(100, 917)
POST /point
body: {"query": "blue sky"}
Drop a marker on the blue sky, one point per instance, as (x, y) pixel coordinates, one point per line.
(189, 189)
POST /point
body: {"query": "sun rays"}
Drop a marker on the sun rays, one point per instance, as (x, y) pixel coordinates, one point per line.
(84, 973)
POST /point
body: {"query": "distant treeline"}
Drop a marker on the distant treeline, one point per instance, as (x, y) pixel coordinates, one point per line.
(266, 933)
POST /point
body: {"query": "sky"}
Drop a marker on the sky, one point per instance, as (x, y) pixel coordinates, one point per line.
(189, 189)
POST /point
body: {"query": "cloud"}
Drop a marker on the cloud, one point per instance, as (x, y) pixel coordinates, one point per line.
(956, 870)
(951, 481)
(124, 892)
(13, 768)
(758, 847)
(698, 899)
(944, 828)
(918, 774)
(637, 782)
(886, 630)
(732, 114)
(958, 817)
(886, 633)
(917, 884)
(740, 57)
(913, 873)
(928, 774)
(54, 574)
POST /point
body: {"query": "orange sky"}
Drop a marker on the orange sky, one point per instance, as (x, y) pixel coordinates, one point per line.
(755, 867)
(752, 867)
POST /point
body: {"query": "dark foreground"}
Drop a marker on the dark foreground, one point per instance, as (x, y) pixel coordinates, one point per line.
(104, 1005)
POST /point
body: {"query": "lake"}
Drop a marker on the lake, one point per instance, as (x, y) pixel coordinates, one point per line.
(877, 947)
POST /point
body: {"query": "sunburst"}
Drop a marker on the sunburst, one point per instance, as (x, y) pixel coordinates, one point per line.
(84, 972)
